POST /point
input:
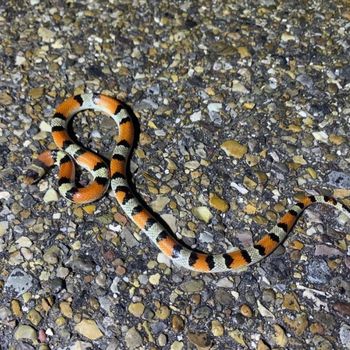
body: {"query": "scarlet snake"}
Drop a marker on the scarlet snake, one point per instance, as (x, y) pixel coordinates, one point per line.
(137, 212)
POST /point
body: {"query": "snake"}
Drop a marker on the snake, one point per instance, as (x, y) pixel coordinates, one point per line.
(69, 153)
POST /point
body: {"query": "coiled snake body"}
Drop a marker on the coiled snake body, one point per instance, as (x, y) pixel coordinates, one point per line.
(141, 216)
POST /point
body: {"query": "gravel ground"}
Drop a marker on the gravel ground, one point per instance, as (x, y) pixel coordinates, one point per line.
(243, 106)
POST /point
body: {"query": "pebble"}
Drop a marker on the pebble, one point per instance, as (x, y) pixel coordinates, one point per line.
(280, 336)
(214, 107)
(66, 309)
(234, 149)
(18, 281)
(344, 334)
(342, 308)
(200, 340)
(27, 333)
(136, 309)
(162, 312)
(16, 308)
(133, 339)
(154, 279)
(236, 86)
(34, 317)
(202, 213)
(50, 196)
(196, 116)
(89, 329)
(82, 264)
(238, 336)
(290, 302)
(36, 93)
(324, 250)
(177, 345)
(24, 242)
(246, 310)
(318, 272)
(217, 328)
(177, 323)
(3, 227)
(115, 284)
(297, 324)
(46, 35)
(192, 286)
(159, 204)
(5, 98)
(218, 203)
(339, 179)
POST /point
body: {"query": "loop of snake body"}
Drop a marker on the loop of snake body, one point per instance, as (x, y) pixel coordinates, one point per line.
(116, 173)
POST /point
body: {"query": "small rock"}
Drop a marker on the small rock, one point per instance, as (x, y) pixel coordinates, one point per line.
(34, 317)
(26, 332)
(342, 308)
(133, 338)
(62, 272)
(162, 312)
(162, 340)
(5, 98)
(244, 52)
(46, 34)
(223, 297)
(217, 328)
(200, 340)
(51, 196)
(262, 345)
(234, 149)
(279, 337)
(66, 309)
(320, 136)
(196, 116)
(214, 107)
(238, 87)
(297, 324)
(89, 329)
(52, 254)
(82, 264)
(290, 302)
(339, 179)
(202, 213)
(177, 323)
(136, 309)
(318, 272)
(238, 336)
(246, 310)
(192, 286)
(285, 37)
(36, 93)
(16, 308)
(177, 345)
(159, 204)
(114, 285)
(19, 281)
(3, 227)
(324, 250)
(154, 279)
(344, 335)
(218, 203)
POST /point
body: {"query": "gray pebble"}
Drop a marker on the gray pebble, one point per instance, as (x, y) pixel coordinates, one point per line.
(318, 272)
(339, 179)
(19, 281)
(344, 335)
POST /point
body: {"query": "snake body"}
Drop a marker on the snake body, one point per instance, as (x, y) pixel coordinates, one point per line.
(116, 174)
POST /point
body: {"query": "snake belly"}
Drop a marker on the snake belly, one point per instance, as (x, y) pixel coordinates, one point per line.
(116, 175)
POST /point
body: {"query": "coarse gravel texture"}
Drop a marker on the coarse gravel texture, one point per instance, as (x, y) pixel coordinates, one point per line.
(242, 107)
